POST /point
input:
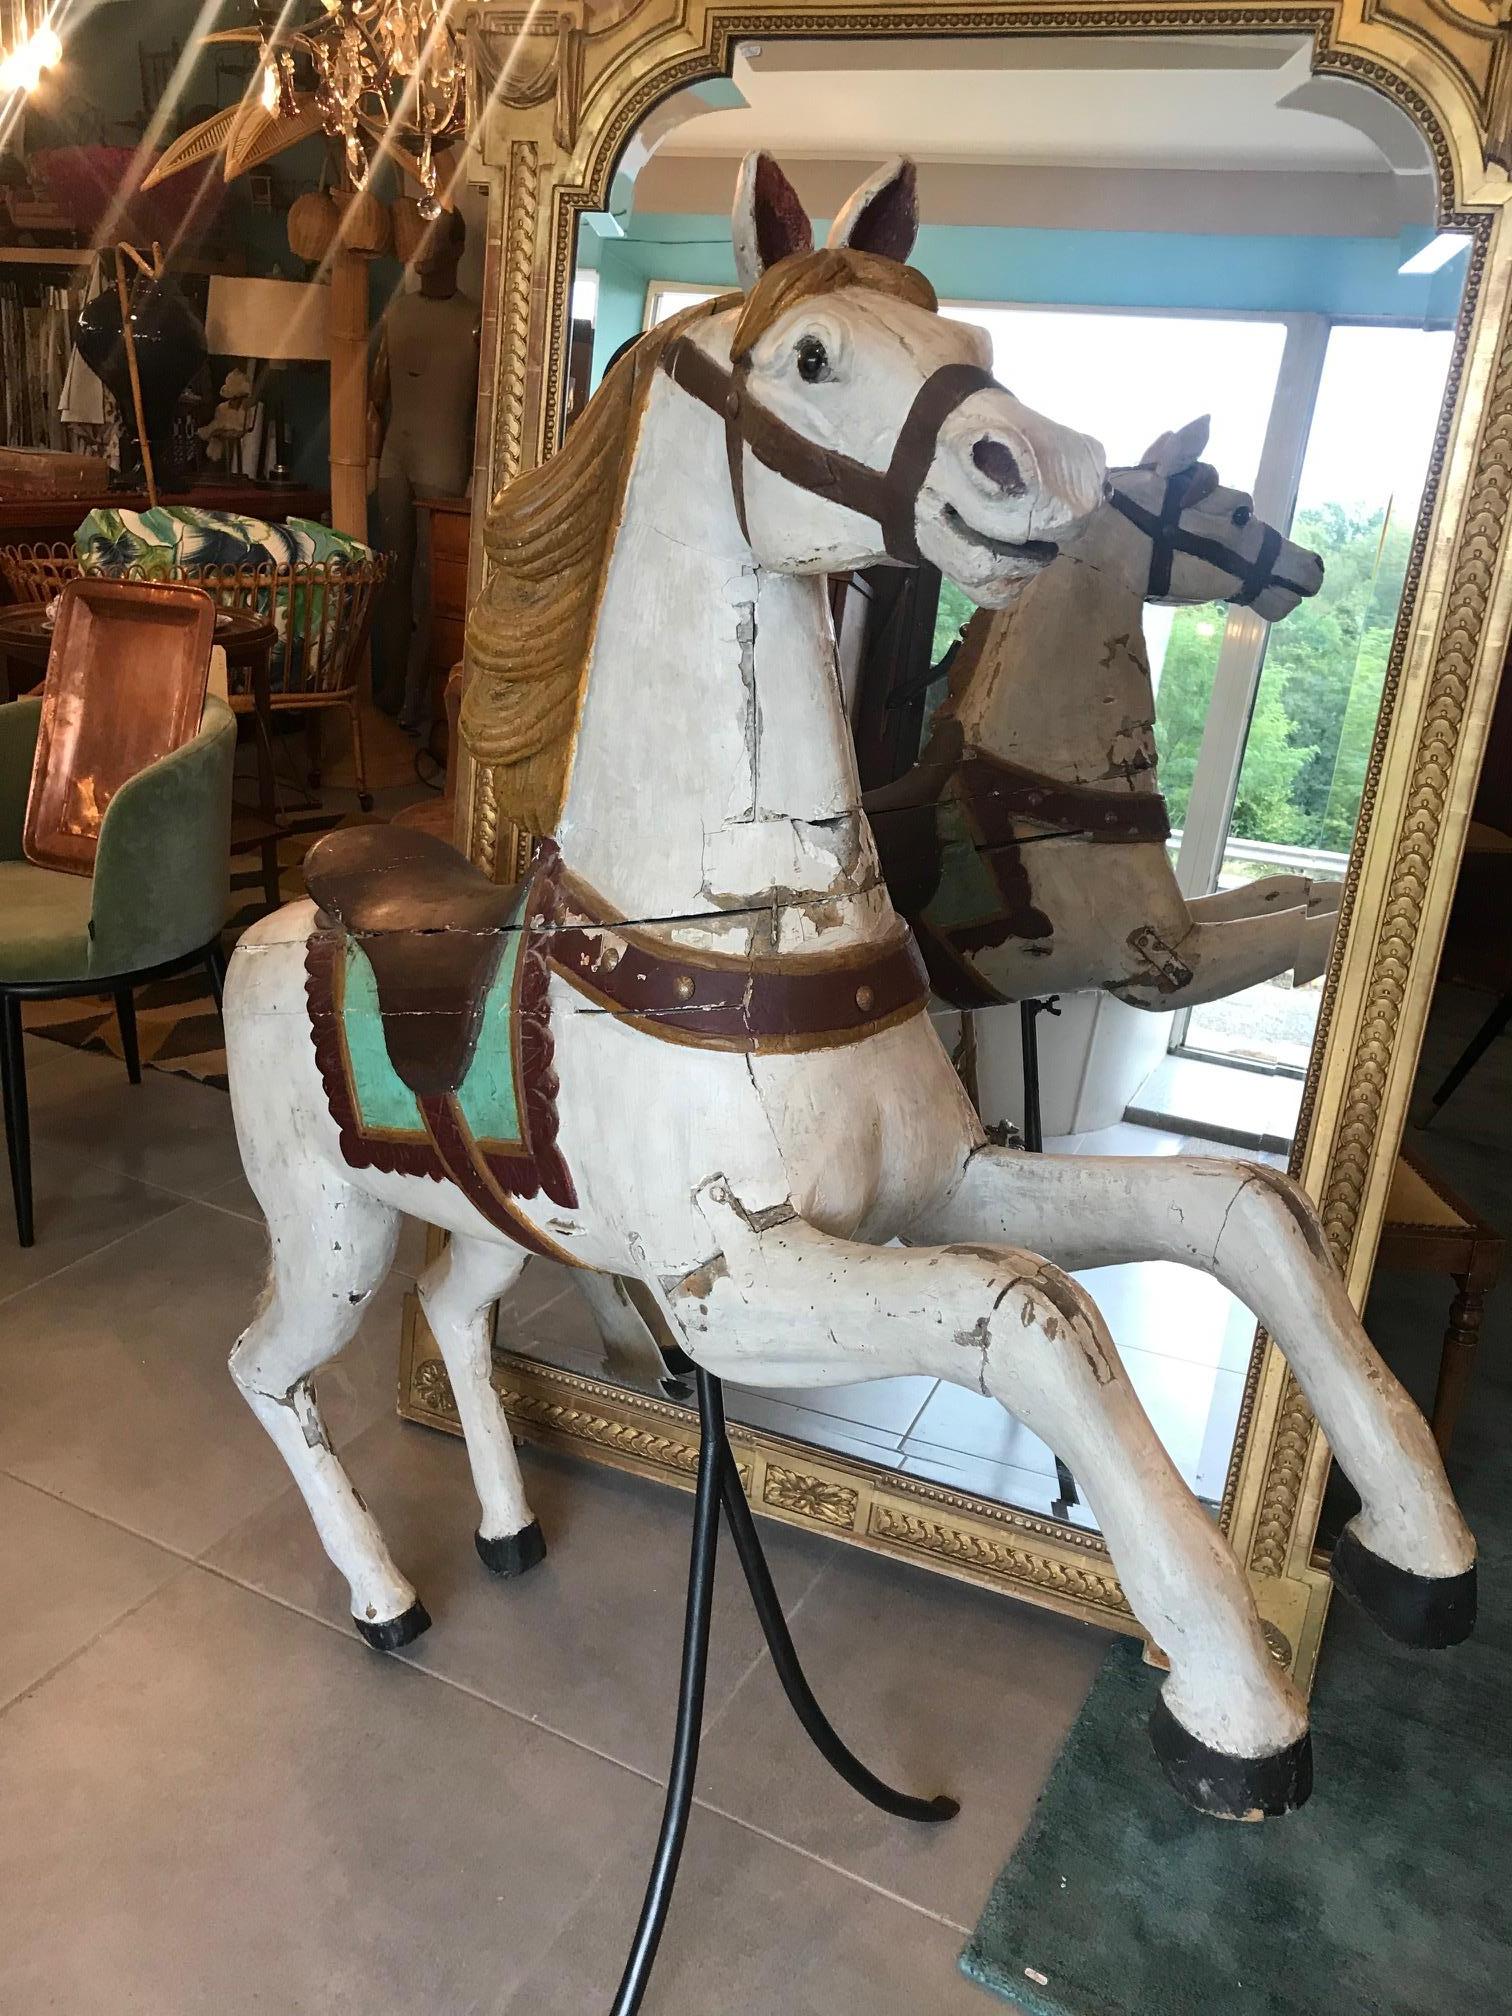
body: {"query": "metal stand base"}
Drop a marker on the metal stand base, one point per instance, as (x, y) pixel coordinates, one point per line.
(719, 1484)
(1034, 1142)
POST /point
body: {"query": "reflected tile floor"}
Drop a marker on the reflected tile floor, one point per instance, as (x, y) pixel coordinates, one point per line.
(217, 1802)
(1185, 1341)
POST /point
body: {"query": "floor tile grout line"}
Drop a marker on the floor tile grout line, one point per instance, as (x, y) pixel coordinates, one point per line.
(94, 1639)
(41, 1280)
(919, 1416)
(763, 1655)
(340, 1632)
(108, 1519)
(835, 1868)
(188, 1563)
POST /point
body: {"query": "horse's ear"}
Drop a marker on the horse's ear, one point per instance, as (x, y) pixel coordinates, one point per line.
(769, 221)
(883, 215)
(1169, 454)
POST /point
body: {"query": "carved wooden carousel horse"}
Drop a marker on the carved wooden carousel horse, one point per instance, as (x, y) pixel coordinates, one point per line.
(693, 1048)
(1027, 846)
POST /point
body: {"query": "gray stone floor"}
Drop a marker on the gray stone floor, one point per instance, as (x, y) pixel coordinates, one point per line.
(215, 1799)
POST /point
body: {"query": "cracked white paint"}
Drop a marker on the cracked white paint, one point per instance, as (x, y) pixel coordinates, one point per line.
(754, 1197)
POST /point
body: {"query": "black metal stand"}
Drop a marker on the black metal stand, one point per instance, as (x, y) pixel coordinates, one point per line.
(1034, 1141)
(1029, 1014)
(719, 1483)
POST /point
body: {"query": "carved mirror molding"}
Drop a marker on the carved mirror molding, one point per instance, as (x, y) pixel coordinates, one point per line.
(557, 95)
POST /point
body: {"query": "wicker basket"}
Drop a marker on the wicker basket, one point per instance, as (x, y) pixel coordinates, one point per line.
(38, 573)
(323, 611)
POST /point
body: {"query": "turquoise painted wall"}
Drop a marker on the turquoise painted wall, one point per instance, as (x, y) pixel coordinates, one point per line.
(1345, 278)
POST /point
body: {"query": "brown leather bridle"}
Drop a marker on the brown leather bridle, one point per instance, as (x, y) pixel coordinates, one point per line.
(890, 495)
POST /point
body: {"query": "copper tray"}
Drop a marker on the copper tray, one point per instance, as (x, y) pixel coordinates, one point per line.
(125, 685)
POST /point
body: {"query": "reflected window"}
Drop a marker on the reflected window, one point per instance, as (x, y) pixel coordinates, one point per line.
(1129, 378)
(1302, 777)
(665, 298)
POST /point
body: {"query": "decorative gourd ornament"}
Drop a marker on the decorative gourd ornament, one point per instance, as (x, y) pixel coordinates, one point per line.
(365, 224)
(314, 222)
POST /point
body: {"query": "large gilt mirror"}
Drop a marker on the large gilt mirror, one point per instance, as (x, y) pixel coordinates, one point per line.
(1264, 271)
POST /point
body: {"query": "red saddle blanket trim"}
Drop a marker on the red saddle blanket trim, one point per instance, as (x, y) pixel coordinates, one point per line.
(490, 1176)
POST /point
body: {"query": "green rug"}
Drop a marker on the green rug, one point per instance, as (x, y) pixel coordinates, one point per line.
(1388, 1894)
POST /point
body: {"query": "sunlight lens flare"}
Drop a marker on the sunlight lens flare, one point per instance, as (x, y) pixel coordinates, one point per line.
(22, 68)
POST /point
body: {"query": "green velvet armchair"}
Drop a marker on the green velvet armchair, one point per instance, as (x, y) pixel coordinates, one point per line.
(154, 906)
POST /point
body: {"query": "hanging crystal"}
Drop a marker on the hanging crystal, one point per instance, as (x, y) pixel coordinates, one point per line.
(390, 68)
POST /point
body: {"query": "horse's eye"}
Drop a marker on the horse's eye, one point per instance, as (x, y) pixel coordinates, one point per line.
(813, 360)
(1243, 515)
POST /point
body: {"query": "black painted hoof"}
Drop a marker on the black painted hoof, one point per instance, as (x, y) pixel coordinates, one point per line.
(1430, 1611)
(516, 1553)
(395, 1632)
(1231, 1788)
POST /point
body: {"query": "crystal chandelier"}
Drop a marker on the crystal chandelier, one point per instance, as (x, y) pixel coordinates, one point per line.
(379, 77)
(385, 76)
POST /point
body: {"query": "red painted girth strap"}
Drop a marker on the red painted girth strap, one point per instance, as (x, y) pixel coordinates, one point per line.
(888, 495)
(720, 1002)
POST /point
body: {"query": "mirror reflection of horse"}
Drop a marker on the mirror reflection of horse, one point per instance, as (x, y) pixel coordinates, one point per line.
(694, 1050)
(1027, 847)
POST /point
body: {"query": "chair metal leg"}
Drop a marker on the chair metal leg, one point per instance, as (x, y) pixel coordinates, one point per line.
(125, 1007)
(17, 1118)
(215, 966)
(690, 1699)
(1474, 1050)
(794, 1681)
(272, 892)
(359, 759)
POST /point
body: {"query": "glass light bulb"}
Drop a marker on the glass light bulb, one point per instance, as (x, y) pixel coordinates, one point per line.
(269, 87)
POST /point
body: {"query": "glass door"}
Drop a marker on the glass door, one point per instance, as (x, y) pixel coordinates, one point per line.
(1301, 776)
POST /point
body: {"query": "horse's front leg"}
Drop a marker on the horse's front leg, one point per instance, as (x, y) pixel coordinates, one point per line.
(782, 1303)
(1408, 1555)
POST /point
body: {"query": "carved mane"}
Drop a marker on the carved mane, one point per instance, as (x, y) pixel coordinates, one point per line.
(548, 537)
(549, 534)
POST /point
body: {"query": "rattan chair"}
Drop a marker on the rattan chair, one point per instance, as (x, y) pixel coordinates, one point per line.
(323, 610)
(38, 573)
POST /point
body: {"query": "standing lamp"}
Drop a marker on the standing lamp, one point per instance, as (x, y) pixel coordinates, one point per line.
(270, 322)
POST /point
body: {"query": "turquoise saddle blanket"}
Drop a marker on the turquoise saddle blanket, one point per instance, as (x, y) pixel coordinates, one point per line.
(495, 1136)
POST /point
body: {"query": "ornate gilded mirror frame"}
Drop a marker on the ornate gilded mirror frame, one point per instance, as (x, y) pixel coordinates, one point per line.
(558, 92)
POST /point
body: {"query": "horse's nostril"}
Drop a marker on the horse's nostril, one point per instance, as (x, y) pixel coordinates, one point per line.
(996, 463)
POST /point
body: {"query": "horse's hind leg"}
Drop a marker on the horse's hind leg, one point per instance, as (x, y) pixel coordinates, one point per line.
(332, 1247)
(457, 1292)
(783, 1303)
(1408, 1556)
(1224, 954)
(1272, 892)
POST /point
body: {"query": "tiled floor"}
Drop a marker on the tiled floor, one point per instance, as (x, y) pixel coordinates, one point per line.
(215, 1799)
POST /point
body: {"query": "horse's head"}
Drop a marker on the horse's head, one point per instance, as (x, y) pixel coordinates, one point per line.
(1185, 538)
(861, 425)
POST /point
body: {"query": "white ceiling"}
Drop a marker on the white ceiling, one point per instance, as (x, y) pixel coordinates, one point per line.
(1150, 102)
